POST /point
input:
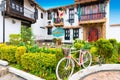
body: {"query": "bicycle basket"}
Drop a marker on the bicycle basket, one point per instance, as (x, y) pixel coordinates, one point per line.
(66, 51)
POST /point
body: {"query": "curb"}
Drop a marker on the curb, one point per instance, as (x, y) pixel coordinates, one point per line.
(23, 74)
(3, 63)
(20, 73)
(93, 69)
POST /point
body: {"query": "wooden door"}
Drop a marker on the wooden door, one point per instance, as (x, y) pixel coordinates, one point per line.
(93, 34)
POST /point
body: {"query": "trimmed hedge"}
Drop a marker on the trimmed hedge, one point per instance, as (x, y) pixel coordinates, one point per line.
(1, 46)
(40, 63)
(19, 52)
(8, 53)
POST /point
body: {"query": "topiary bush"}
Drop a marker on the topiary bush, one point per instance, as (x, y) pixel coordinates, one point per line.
(8, 53)
(19, 52)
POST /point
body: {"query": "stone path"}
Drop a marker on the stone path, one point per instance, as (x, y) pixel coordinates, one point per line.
(10, 76)
(105, 75)
(98, 72)
(5, 75)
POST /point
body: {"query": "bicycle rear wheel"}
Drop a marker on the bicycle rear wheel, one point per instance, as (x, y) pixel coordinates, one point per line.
(65, 68)
(87, 59)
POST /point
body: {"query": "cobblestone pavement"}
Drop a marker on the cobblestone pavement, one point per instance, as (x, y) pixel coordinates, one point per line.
(105, 75)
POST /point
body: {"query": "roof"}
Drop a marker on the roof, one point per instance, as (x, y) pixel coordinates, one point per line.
(70, 5)
(113, 25)
(34, 2)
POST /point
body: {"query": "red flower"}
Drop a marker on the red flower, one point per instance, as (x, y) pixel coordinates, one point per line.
(119, 58)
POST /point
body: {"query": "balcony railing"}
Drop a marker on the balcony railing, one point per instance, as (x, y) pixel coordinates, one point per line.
(20, 10)
(58, 20)
(94, 16)
(81, 1)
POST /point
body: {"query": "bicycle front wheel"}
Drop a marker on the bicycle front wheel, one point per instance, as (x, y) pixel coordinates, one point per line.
(65, 68)
(87, 59)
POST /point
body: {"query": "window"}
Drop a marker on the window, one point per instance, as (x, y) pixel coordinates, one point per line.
(67, 34)
(41, 15)
(71, 15)
(49, 32)
(75, 33)
(49, 16)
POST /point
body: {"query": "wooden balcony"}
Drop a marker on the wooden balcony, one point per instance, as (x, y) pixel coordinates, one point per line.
(18, 11)
(88, 1)
(58, 22)
(92, 18)
(85, 1)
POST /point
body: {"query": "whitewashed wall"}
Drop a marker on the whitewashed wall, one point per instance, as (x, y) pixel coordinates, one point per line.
(108, 31)
(12, 28)
(39, 28)
(114, 33)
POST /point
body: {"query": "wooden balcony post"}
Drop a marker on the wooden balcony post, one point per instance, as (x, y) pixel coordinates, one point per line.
(8, 6)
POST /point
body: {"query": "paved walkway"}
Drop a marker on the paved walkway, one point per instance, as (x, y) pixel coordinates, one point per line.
(105, 75)
(5, 75)
(11, 76)
(97, 72)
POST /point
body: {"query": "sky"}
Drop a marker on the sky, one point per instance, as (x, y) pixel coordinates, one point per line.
(114, 7)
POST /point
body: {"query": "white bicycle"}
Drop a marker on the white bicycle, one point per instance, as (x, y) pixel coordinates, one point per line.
(65, 66)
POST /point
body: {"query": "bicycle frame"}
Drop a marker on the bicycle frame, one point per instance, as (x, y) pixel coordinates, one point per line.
(80, 61)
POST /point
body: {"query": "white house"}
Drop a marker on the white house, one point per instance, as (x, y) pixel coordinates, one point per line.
(85, 19)
(18, 13)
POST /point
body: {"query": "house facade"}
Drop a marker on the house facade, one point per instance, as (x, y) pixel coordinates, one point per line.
(20, 13)
(85, 19)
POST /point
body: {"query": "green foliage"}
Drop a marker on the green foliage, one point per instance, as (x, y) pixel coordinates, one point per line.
(15, 39)
(81, 44)
(105, 48)
(19, 52)
(1, 46)
(8, 53)
(32, 49)
(119, 48)
(26, 35)
(59, 54)
(113, 59)
(31, 61)
(93, 50)
(78, 45)
(40, 64)
(115, 45)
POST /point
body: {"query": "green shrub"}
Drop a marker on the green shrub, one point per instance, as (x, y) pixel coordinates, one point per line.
(78, 45)
(26, 35)
(115, 45)
(119, 48)
(8, 53)
(31, 62)
(40, 64)
(15, 39)
(113, 59)
(105, 48)
(59, 54)
(1, 46)
(19, 52)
